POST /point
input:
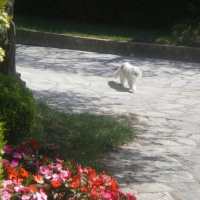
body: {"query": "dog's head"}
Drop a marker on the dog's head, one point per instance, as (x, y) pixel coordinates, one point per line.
(137, 73)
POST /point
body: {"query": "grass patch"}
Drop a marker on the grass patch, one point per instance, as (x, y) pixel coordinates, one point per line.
(83, 138)
(93, 30)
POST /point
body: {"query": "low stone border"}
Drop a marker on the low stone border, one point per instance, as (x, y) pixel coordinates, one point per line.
(146, 50)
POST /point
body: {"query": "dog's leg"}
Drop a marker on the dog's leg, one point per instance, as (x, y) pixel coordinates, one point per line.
(133, 88)
(122, 79)
(132, 85)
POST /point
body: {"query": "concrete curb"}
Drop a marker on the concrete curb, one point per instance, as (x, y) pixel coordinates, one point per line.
(36, 38)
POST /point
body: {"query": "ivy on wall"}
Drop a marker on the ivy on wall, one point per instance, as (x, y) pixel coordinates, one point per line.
(4, 23)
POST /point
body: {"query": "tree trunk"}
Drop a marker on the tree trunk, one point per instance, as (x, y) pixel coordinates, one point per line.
(7, 42)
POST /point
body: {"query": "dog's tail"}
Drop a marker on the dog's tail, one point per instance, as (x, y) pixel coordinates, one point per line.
(118, 71)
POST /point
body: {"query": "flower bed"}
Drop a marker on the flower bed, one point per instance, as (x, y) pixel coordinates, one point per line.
(32, 174)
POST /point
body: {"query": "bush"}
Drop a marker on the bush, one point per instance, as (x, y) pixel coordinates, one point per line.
(2, 144)
(17, 108)
(186, 31)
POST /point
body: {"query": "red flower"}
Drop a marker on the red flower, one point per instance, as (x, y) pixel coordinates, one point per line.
(33, 188)
(38, 178)
(53, 148)
(76, 181)
(131, 196)
(91, 171)
(24, 173)
(94, 195)
(46, 160)
(36, 147)
(34, 141)
(13, 175)
(83, 189)
(60, 195)
(56, 183)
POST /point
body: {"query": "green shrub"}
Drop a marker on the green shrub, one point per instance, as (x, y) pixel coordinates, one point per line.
(2, 144)
(186, 31)
(17, 108)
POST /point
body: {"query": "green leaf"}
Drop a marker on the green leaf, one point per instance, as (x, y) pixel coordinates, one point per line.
(66, 185)
(38, 185)
(72, 190)
(78, 195)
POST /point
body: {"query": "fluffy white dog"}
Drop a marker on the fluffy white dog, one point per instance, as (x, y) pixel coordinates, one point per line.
(129, 73)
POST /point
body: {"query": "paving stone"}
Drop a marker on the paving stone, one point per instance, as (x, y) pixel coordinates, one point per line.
(150, 187)
(185, 141)
(182, 150)
(188, 73)
(173, 112)
(40, 86)
(161, 196)
(186, 126)
(196, 138)
(157, 114)
(179, 83)
(170, 176)
(188, 101)
(163, 161)
(185, 195)
(192, 187)
(189, 78)
(114, 95)
(162, 106)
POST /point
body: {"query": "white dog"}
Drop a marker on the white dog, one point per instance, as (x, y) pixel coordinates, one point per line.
(129, 73)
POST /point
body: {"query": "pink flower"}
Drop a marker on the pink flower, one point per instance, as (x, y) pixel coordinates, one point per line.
(55, 177)
(5, 161)
(43, 195)
(26, 196)
(18, 187)
(26, 152)
(131, 196)
(40, 196)
(8, 149)
(6, 183)
(17, 155)
(114, 196)
(37, 164)
(72, 198)
(85, 171)
(44, 170)
(5, 195)
(58, 167)
(80, 170)
(8, 190)
(49, 175)
(111, 195)
(14, 163)
(26, 190)
(65, 174)
(59, 161)
(107, 196)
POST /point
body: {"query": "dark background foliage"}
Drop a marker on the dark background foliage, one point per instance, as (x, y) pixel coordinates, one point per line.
(159, 14)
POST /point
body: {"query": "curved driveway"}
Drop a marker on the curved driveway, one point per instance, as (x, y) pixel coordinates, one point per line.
(163, 161)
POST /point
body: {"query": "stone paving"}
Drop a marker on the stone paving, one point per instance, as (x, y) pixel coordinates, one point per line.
(163, 161)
